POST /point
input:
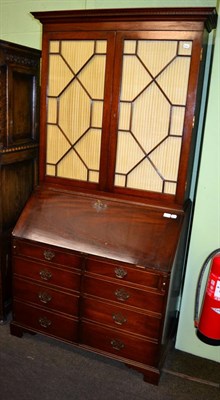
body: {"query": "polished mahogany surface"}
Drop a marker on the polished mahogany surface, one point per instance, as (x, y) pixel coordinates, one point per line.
(103, 227)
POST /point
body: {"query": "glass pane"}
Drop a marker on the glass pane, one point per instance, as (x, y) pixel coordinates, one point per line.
(185, 48)
(130, 46)
(74, 111)
(177, 120)
(125, 116)
(150, 118)
(52, 111)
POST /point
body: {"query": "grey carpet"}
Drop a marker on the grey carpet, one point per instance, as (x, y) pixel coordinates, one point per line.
(36, 367)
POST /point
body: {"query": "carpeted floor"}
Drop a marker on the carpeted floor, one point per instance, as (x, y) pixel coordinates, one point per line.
(36, 367)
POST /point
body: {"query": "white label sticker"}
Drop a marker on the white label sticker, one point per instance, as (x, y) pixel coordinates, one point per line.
(217, 291)
(168, 215)
(217, 310)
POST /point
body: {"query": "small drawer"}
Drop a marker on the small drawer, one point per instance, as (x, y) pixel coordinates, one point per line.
(46, 273)
(46, 253)
(122, 318)
(44, 321)
(126, 295)
(119, 344)
(125, 272)
(44, 296)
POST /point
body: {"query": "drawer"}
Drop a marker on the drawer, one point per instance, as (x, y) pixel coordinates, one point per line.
(45, 253)
(122, 318)
(46, 273)
(126, 295)
(127, 273)
(49, 323)
(120, 344)
(44, 296)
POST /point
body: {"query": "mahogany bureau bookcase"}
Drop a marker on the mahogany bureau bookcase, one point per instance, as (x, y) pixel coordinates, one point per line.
(98, 249)
(19, 128)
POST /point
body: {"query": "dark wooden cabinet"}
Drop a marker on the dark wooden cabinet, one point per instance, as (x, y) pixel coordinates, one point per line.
(98, 249)
(19, 134)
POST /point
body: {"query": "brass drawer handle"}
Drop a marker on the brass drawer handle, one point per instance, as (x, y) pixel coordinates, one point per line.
(45, 275)
(120, 273)
(117, 344)
(121, 294)
(44, 322)
(49, 255)
(119, 319)
(44, 297)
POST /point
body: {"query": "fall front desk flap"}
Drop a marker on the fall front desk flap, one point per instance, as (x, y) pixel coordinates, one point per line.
(142, 235)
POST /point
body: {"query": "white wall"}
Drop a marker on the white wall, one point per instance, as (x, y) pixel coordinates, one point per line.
(18, 25)
(205, 235)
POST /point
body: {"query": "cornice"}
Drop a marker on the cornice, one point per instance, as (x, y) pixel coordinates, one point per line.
(207, 15)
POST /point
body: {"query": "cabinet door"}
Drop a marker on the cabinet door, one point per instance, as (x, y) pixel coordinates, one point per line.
(154, 102)
(79, 69)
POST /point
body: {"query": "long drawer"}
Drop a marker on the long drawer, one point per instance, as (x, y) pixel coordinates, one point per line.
(45, 297)
(118, 317)
(47, 322)
(47, 273)
(131, 274)
(119, 344)
(46, 253)
(146, 300)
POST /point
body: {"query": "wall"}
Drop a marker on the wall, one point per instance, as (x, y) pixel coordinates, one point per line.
(17, 25)
(205, 236)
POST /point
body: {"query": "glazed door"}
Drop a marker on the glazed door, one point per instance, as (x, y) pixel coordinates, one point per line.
(156, 87)
(79, 69)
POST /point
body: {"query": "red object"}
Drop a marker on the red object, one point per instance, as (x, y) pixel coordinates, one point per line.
(208, 326)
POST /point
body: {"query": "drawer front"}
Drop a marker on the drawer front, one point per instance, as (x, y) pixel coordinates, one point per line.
(46, 297)
(122, 318)
(124, 272)
(146, 300)
(44, 321)
(119, 344)
(46, 273)
(46, 253)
